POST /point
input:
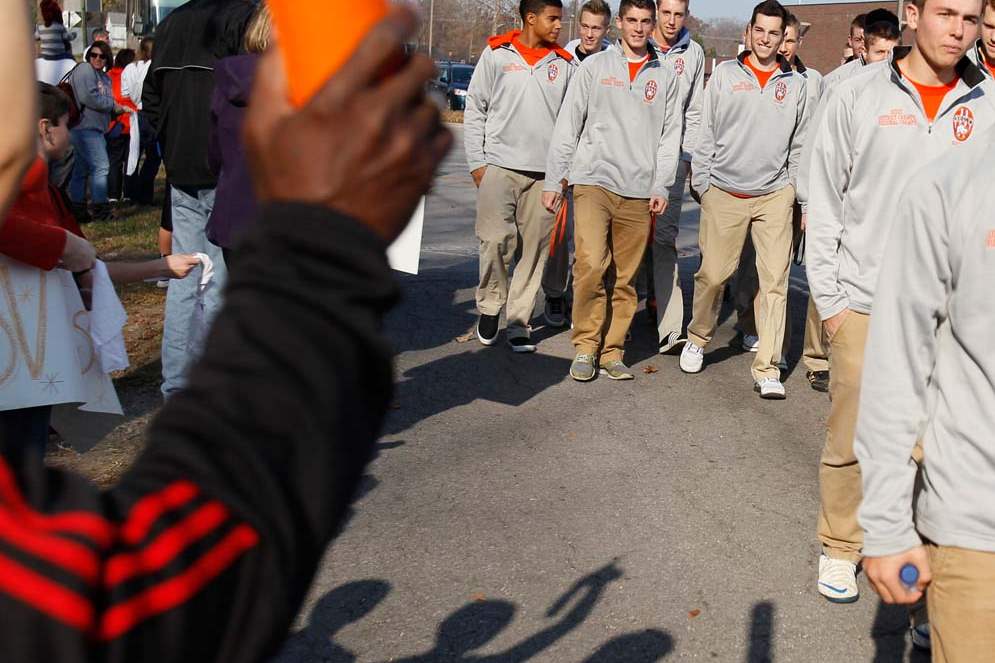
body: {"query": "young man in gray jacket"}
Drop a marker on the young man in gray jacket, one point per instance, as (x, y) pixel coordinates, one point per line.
(744, 168)
(983, 52)
(595, 20)
(673, 40)
(511, 107)
(617, 142)
(930, 376)
(927, 101)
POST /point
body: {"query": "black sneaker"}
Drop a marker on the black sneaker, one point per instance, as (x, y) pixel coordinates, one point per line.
(555, 312)
(819, 380)
(487, 329)
(522, 344)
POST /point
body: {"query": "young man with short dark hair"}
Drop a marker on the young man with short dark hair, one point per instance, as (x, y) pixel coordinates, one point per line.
(856, 38)
(871, 29)
(595, 20)
(744, 169)
(983, 53)
(927, 101)
(678, 50)
(617, 142)
(511, 107)
(929, 377)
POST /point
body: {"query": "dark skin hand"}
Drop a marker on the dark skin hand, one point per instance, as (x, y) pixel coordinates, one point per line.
(366, 146)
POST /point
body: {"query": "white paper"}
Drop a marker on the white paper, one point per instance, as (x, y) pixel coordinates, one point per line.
(405, 253)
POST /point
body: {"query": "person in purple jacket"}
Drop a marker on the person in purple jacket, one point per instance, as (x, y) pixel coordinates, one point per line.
(234, 204)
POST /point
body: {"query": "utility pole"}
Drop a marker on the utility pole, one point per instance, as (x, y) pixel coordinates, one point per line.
(431, 25)
(494, 24)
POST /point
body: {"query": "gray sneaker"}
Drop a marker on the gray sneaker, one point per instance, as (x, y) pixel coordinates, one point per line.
(582, 368)
(616, 370)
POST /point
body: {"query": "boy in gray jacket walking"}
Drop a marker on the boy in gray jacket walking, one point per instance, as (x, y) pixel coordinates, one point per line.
(744, 168)
(930, 376)
(511, 107)
(686, 56)
(617, 142)
(925, 102)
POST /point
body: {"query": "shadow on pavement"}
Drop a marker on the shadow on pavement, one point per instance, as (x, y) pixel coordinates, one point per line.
(890, 634)
(473, 626)
(493, 374)
(761, 633)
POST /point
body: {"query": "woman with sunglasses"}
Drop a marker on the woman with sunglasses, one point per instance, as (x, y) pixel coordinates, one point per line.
(95, 96)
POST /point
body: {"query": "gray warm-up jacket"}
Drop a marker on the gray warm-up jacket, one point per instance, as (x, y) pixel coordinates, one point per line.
(870, 134)
(620, 135)
(929, 368)
(751, 139)
(511, 108)
(688, 60)
(841, 73)
(977, 55)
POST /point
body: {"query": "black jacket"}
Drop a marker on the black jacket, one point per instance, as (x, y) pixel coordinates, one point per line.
(180, 83)
(206, 547)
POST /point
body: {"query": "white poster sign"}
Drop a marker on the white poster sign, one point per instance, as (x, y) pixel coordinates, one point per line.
(47, 354)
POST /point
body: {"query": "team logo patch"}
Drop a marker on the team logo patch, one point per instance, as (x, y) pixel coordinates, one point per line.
(780, 91)
(651, 89)
(963, 123)
(679, 66)
(553, 72)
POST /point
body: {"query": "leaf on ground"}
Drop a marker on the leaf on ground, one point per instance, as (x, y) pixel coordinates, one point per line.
(694, 613)
(468, 336)
(478, 597)
(650, 370)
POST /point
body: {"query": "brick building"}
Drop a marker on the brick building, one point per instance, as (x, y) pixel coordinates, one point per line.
(826, 27)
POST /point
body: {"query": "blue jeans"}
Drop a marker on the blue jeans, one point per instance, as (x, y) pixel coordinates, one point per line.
(190, 211)
(90, 149)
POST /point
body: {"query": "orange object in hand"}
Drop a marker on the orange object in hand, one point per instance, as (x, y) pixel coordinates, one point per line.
(311, 54)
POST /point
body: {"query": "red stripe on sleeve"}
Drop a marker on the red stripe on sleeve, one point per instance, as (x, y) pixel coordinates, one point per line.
(167, 546)
(150, 508)
(68, 555)
(82, 523)
(173, 592)
(45, 595)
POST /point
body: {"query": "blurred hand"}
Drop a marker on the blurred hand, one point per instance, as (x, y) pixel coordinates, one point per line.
(804, 221)
(478, 176)
(658, 204)
(365, 145)
(552, 201)
(78, 254)
(179, 265)
(833, 324)
(884, 575)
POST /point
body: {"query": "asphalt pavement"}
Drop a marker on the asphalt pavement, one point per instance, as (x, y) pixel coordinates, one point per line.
(516, 515)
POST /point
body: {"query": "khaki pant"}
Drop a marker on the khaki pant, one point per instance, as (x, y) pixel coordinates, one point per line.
(815, 355)
(961, 602)
(513, 227)
(725, 221)
(839, 474)
(663, 263)
(610, 234)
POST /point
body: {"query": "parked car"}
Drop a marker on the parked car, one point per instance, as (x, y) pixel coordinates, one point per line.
(452, 82)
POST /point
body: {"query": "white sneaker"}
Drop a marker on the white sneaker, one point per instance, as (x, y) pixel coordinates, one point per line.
(838, 580)
(751, 343)
(770, 388)
(692, 357)
(920, 637)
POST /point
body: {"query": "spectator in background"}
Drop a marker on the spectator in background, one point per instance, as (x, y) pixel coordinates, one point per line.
(189, 44)
(92, 88)
(119, 133)
(141, 185)
(55, 59)
(234, 202)
(98, 34)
